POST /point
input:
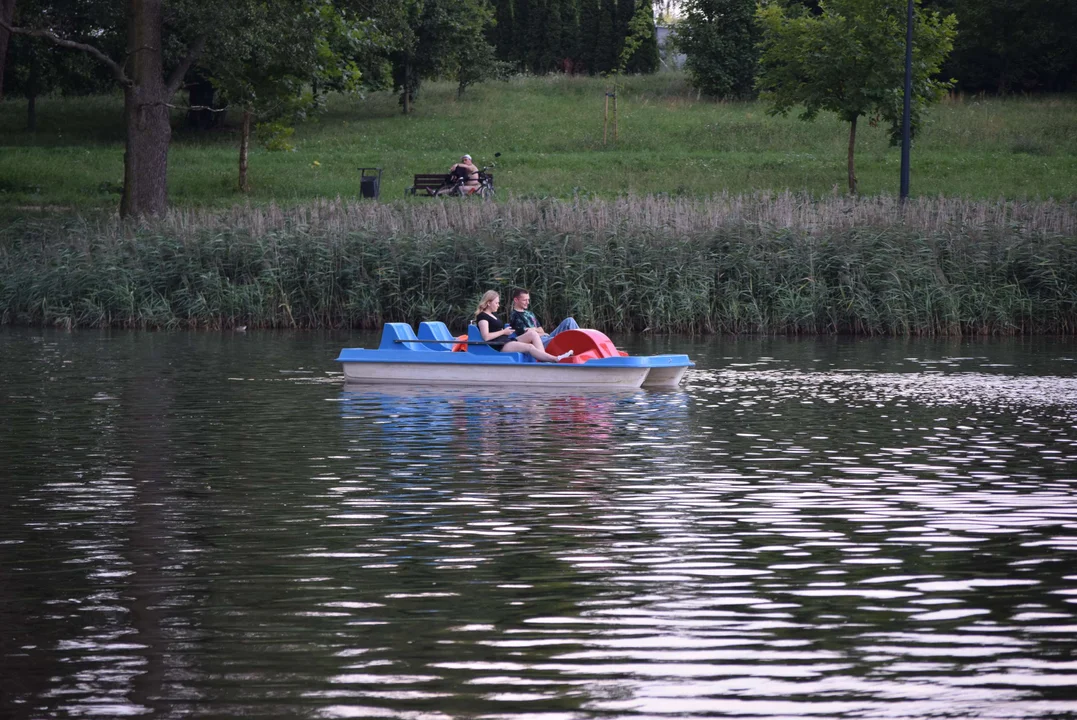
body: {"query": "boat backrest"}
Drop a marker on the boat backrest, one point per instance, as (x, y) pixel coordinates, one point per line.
(475, 336)
(392, 332)
(435, 330)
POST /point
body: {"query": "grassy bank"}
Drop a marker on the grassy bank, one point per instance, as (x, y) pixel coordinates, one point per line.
(549, 131)
(775, 264)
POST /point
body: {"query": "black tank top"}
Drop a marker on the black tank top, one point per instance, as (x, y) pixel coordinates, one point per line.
(494, 326)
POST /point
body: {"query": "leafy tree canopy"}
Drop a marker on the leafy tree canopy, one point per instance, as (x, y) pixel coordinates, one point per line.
(432, 38)
(849, 59)
(718, 38)
(1013, 45)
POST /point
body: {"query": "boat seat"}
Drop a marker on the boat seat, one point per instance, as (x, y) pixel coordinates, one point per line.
(435, 330)
(473, 335)
(392, 332)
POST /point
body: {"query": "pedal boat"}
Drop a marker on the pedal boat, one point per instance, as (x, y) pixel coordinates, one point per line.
(435, 357)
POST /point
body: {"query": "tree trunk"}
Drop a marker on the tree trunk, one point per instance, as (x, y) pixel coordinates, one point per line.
(852, 150)
(33, 87)
(202, 95)
(145, 160)
(615, 116)
(407, 87)
(606, 118)
(244, 145)
(7, 14)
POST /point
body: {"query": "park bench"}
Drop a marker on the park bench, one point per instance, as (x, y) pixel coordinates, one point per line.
(425, 185)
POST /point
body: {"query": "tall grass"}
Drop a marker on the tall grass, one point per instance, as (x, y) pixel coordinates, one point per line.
(731, 264)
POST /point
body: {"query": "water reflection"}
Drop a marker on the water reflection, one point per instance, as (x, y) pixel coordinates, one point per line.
(215, 528)
(495, 430)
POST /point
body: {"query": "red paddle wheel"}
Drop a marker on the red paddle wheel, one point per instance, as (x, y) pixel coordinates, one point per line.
(584, 344)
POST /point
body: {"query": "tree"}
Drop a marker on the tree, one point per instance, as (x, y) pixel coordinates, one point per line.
(147, 89)
(285, 45)
(850, 60)
(475, 63)
(431, 38)
(502, 33)
(33, 68)
(7, 17)
(587, 49)
(1013, 45)
(548, 52)
(607, 42)
(570, 37)
(573, 35)
(719, 38)
(293, 51)
(641, 31)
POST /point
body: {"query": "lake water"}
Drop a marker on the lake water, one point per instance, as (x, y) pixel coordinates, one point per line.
(211, 525)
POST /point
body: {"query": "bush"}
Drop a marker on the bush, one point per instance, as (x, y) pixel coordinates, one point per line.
(718, 38)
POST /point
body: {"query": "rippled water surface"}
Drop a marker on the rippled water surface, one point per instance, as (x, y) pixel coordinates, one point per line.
(212, 525)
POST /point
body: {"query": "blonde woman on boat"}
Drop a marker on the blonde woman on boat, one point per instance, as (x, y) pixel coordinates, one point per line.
(500, 336)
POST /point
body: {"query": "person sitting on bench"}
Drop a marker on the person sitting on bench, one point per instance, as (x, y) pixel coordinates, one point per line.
(501, 337)
(466, 173)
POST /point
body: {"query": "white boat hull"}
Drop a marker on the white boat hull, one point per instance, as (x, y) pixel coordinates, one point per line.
(395, 373)
(664, 377)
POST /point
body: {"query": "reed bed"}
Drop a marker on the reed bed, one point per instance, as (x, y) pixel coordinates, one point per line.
(778, 263)
(649, 213)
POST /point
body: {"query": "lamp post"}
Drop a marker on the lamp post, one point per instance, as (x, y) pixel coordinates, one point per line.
(906, 115)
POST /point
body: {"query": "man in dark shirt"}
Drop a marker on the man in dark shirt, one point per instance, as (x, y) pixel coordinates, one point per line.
(521, 319)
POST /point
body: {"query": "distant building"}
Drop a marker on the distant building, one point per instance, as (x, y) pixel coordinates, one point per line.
(669, 59)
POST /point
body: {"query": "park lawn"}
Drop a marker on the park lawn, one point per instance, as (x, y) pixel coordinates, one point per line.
(549, 131)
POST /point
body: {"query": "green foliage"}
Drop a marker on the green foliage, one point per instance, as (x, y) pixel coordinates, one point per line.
(476, 63)
(500, 34)
(587, 52)
(719, 38)
(607, 41)
(573, 36)
(850, 59)
(276, 136)
(287, 47)
(1008, 46)
(433, 38)
(639, 53)
(35, 67)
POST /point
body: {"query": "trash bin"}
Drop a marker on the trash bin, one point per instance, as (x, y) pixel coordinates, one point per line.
(370, 182)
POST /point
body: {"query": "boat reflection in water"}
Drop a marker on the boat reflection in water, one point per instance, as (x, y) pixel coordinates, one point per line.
(475, 429)
(488, 418)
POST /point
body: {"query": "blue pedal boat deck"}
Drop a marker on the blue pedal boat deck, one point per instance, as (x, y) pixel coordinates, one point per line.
(427, 358)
